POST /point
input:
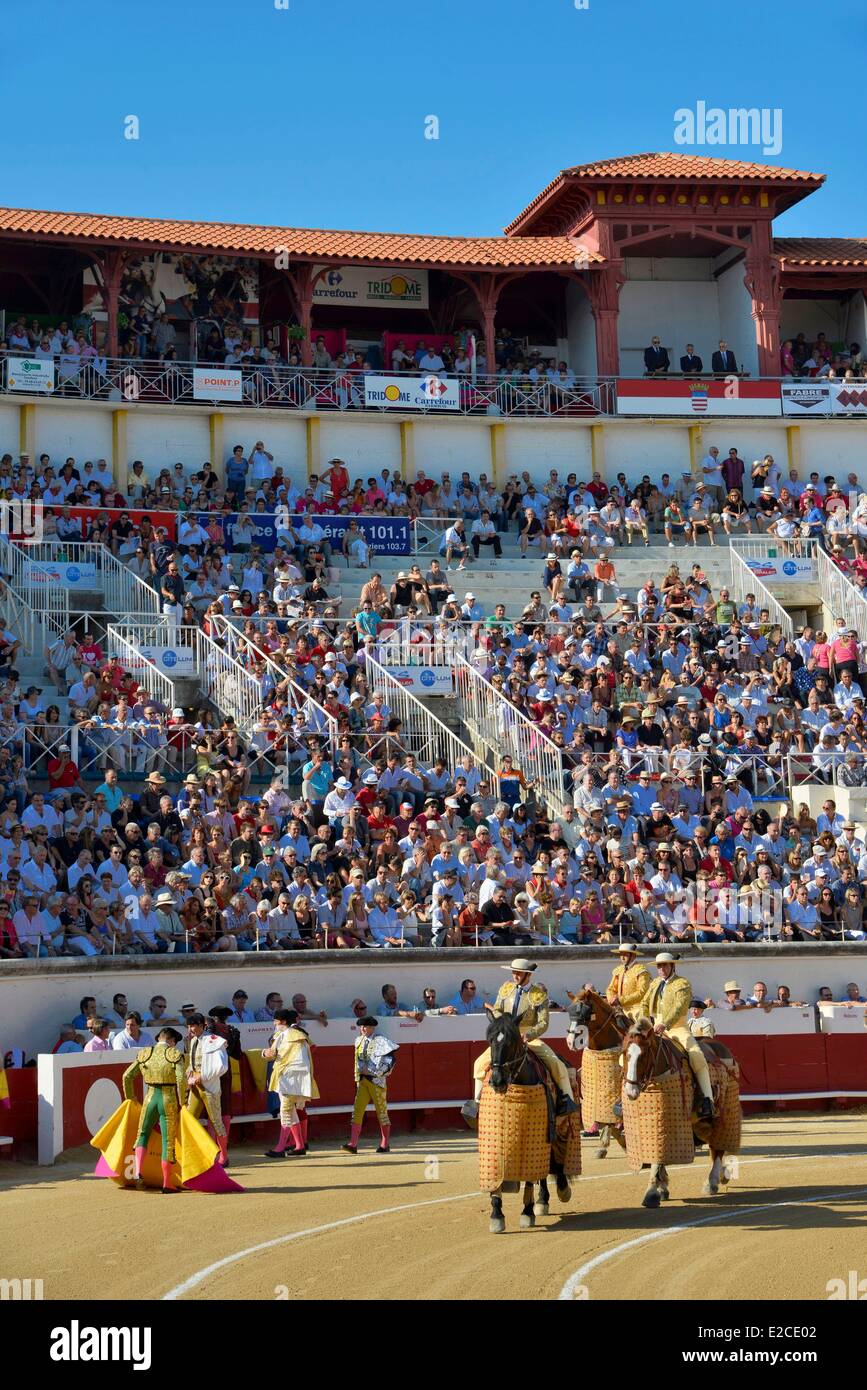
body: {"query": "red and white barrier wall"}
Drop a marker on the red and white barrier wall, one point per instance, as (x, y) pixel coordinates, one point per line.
(782, 1056)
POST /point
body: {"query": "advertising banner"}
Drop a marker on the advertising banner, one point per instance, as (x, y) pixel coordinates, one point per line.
(389, 535)
(353, 284)
(172, 661)
(694, 396)
(424, 680)
(782, 567)
(806, 398)
(218, 384)
(824, 398)
(29, 374)
(66, 574)
(416, 393)
(136, 516)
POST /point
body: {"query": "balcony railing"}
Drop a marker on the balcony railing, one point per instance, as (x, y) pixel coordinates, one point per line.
(306, 389)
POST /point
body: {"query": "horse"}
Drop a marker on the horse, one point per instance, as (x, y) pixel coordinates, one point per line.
(606, 1028)
(513, 1064)
(650, 1060)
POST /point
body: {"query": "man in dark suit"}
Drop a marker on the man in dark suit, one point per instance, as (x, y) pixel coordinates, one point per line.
(724, 361)
(690, 362)
(656, 360)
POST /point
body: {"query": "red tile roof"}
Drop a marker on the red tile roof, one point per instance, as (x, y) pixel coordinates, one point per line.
(686, 166)
(370, 248)
(672, 166)
(821, 251)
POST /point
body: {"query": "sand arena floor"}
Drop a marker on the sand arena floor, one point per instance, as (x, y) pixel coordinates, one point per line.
(794, 1218)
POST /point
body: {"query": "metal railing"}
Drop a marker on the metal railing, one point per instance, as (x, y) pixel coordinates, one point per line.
(123, 592)
(267, 386)
(224, 681)
(317, 719)
(840, 595)
(43, 606)
(502, 728)
(744, 581)
(421, 732)
(119, 644)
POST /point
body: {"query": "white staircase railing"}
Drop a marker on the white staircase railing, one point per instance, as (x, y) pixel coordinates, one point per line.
(224, 681)
(43, 607)
(744, 581)
(502, 728)
(317, 719)
(119, 644)
(840, 595)
(421, 732)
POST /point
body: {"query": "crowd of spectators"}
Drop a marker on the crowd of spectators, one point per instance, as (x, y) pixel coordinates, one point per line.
(120, 1027)
(685, 720)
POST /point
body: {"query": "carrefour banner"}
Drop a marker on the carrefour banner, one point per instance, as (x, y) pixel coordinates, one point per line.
(358, 284)
(66, 574)
(389, 535)
(29, 374)
(694, 396)
(418, 393)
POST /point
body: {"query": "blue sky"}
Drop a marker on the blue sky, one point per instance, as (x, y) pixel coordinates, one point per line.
(314, 115)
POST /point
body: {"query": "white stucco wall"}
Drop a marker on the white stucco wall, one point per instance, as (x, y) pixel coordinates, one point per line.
(162, 440)
(451, 446)
(564, 447)
(285, 436)
(64, 430)
(676, 299)
(581, 328)
(647, 448)
(9, 428)
(736, 323)
(365, 451)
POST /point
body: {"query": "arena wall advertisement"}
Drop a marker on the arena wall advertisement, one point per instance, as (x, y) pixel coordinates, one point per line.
(361, 285)
(824, 398)
(390, 535)
(71, 574)
(726, 396)
(424, 680)
(28, 374)
(425, 393)
(783, 567)
(218, 384)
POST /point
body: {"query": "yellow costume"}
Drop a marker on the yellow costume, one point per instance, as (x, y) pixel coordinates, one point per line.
(628, 986)
(292, 1074)
(530, 1010)
(667, 1001)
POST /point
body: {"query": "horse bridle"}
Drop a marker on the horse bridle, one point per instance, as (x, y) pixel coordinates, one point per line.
(654, 1038)
(610, 1017)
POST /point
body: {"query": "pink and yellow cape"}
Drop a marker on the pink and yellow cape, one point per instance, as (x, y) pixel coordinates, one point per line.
(195, 1167)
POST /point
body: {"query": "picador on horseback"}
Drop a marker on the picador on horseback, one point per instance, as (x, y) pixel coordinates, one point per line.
(667, 1003)
(528, 1005)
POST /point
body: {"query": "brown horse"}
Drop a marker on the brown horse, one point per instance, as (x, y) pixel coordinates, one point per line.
(606, 1026)
(649, 1060)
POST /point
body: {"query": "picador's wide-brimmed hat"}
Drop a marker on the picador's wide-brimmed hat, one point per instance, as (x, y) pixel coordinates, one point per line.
(521, 963)
(665, 958)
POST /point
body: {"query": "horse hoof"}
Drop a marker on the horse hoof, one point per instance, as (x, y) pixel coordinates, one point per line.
(725, 1177)
(709, 1190)
(564, 1193)
(664, 1194)
(497, 1226)
(651, 1199)
(540, 1209)
(526, 1221)
(601, 1153)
